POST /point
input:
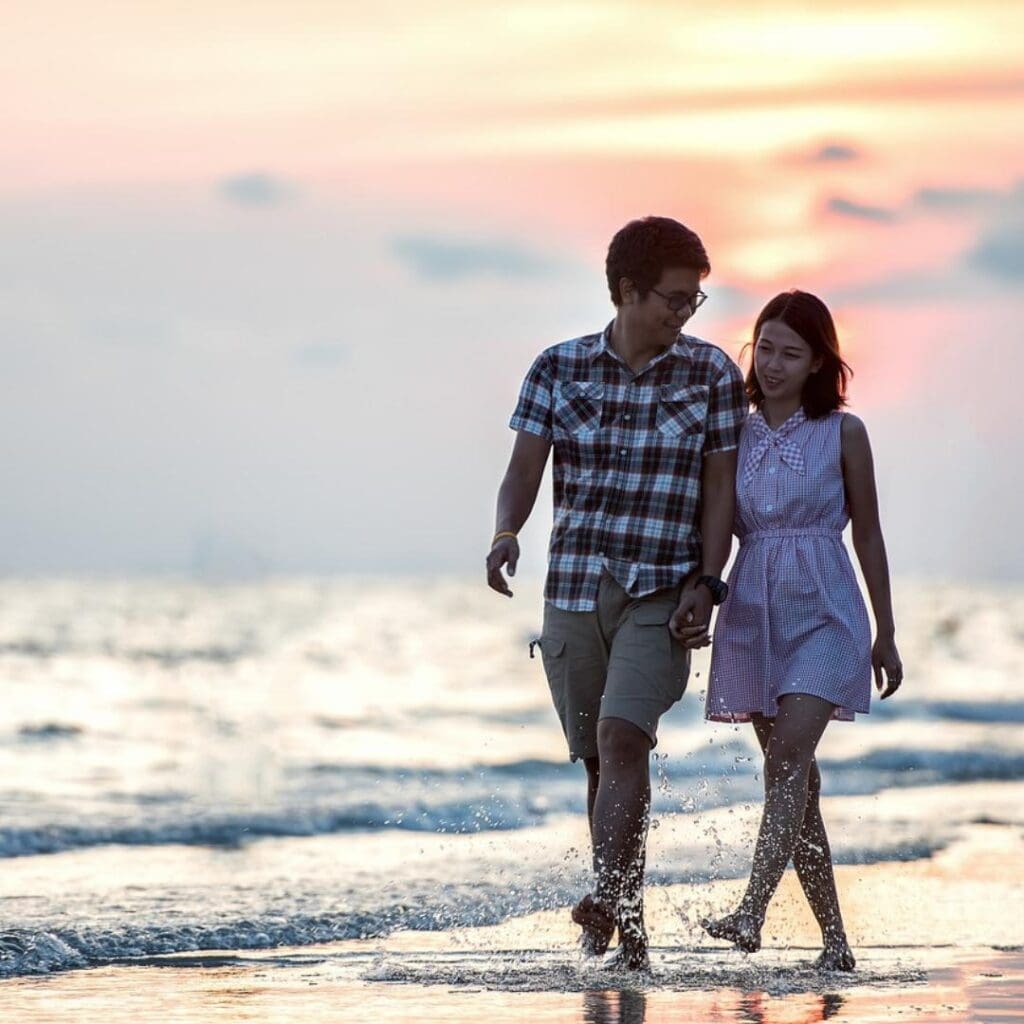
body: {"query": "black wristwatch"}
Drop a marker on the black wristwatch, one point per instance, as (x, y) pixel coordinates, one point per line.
(719, 588)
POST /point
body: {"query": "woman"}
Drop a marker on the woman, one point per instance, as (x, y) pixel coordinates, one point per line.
(792, 644)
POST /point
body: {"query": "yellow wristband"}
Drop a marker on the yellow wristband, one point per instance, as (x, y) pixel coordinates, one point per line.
(498, 536)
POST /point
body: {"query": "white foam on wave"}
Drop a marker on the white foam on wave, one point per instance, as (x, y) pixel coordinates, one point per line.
(26, 953)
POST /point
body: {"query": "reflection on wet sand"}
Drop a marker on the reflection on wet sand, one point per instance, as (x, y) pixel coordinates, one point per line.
(758, 1008)
(630, 1007)
(987, 989)
(956, 987)
(625, 1007)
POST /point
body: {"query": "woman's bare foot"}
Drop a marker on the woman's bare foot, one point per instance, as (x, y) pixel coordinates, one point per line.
(836, 956)
(598, 924)
(741, 929)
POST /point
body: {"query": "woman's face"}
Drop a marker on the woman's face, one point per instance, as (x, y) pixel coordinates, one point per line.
(782, 361)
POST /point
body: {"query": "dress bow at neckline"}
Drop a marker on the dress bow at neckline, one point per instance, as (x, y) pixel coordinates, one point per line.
(789, 450)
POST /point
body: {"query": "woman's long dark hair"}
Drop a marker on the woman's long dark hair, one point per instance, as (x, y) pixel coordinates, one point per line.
(824, 391)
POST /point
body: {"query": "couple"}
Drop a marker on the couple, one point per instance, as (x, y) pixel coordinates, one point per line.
(656, 463)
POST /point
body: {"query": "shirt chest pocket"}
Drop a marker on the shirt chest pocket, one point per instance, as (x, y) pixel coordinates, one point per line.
(682, 411)
(577, 409)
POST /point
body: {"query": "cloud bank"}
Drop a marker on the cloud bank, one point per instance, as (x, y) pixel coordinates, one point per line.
(256, 190)
(434, 258)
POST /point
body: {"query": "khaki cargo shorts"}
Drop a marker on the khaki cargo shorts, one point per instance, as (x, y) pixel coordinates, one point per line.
(619, 661)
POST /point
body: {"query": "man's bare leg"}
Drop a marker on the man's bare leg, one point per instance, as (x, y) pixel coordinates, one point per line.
(597, 922)
(619, 831)
(593, 766)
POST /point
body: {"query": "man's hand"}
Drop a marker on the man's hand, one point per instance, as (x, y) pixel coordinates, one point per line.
(516, 496)
(504, 552)
(692, 617)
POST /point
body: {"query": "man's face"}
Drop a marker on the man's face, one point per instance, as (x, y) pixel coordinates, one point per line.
(652, 314)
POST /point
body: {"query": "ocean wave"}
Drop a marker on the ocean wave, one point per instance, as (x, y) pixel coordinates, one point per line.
(49, 731)
(333, 798)
(27, 952)
(482, 894)
(167, 656)
(1009, 711)
(237, 830)
(888, 767)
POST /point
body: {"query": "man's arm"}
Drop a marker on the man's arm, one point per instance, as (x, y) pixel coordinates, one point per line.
(718, 509)
(516, 498)
(690, 621)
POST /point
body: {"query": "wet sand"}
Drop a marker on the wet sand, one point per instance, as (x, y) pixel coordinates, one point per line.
(937, 940)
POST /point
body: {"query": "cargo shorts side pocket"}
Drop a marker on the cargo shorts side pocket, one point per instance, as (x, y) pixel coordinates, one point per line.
(552, 653)
(669, 659)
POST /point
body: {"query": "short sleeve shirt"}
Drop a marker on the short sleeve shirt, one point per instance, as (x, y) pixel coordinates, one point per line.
(627, 455)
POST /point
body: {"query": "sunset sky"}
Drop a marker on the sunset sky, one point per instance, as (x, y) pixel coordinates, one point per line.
(272, 272)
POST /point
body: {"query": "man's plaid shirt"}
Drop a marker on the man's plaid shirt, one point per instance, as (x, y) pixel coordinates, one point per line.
(627, 459)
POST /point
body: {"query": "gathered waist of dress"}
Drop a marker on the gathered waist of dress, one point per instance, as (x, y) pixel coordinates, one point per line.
(807, 531)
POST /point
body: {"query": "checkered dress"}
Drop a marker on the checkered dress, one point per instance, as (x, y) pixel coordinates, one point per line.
(627, 459)
(794, 620)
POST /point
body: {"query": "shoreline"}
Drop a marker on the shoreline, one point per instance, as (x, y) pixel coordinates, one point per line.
(937, 940)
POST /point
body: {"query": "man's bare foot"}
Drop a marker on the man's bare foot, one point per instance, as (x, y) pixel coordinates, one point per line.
(632, 952)
(836, 957)
(629, 957)
(598, 924)
(741, 929)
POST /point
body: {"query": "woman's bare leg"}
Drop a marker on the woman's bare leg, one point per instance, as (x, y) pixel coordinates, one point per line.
(812, 858)
(789, 757)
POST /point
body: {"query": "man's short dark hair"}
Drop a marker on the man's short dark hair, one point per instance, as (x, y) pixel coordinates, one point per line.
(645, 248)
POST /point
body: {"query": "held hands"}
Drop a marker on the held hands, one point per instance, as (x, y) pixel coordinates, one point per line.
(690, 621)
(885, 656)
(504, 551)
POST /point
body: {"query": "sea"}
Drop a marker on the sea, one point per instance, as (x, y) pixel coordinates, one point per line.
(233, 766)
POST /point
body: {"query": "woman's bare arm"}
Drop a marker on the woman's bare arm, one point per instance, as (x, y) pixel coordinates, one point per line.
(862, 498)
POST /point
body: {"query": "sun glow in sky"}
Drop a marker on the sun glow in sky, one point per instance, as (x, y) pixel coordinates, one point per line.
(273, 271)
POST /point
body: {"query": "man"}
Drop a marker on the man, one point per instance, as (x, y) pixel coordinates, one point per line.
(644, 422)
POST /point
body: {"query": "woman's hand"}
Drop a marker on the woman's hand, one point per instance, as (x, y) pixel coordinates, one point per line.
(885, 656)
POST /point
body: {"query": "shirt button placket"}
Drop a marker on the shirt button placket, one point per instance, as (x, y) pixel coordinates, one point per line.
(626, 418)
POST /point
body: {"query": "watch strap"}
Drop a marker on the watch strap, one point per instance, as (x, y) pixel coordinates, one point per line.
(719, 588)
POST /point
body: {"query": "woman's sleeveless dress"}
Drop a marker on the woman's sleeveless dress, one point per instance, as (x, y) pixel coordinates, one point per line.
(794, 620)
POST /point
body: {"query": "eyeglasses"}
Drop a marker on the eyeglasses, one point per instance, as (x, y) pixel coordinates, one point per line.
(677, 303)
